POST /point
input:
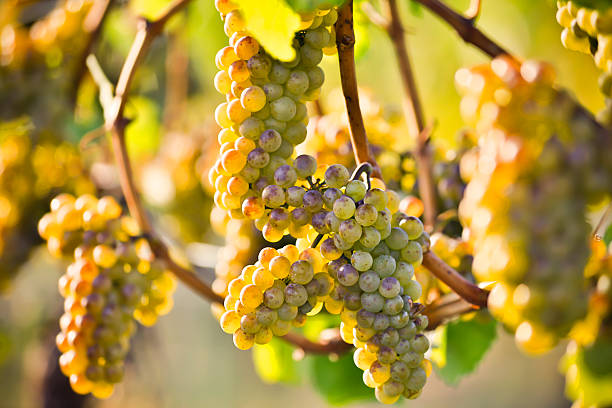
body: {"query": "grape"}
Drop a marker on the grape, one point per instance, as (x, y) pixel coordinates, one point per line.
(412, 252)
(356, 189)
(301, 272)
(285, 176)
(298, 82)
(413, 227)
(384, 265)
(344, 207)
(253, 98)
(397, 239)
(312, 201)
(369, 281)
(295, 294)
(319, 222)
(362, 261)
(413, 289)
(370, 237)
(336, 176)
(279, 218)
(278, 73)
(259, 66)
(329, 249)
(273, 196)
(295, 195)
(295, 133)
(305, 166)
(300, 216)
(310, 56)
(330, 195)
(403, 273)
(377, 198)
(270, 140)
(283, 109)
(366, 215)
(348, 275)
(272, 91)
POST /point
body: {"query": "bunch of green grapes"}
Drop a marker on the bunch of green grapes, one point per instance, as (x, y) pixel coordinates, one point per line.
(587, 28)
(264, 115)
(275, 294)
(540, 159)
(454, 252)
(114, 280)
(587, 360)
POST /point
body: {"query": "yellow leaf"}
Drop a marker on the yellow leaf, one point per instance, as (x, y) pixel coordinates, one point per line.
(273, 23)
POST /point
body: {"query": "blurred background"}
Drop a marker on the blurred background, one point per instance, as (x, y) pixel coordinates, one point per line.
(185, 360)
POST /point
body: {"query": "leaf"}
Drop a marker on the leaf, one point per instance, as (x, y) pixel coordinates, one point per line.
(339, 382)
(588, 377)
(362, 27)
(304, 6)
(273, 23)
(461, 345)
(608, 235)
(415, 9)
(143, 133)
(274, 362)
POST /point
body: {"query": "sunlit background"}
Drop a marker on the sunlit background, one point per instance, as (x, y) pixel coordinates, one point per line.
(186, 360)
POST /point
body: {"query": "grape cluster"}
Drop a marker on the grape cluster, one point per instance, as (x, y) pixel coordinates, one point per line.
(275, 294)
(587, 360)
(540, 159)
(114, 280)
(264, 116)
(29, 174)
(589, 30)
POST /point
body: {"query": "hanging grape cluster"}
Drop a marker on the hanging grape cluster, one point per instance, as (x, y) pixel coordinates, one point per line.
(540, 159)
(589, 30)
(113, 281)
(586, 363)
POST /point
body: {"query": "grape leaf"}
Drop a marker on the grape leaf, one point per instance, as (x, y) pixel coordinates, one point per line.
(273, 23)
(594, 4)
(415, 9)
(608, 235)
(461, 345)
(142, 135)
(588, 375)
(304, 6)
(339, 382)
(274, 362)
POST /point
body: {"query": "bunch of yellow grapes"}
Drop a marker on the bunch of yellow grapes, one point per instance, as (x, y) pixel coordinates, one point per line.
(540, 159)
(589, 30)
(114, 280)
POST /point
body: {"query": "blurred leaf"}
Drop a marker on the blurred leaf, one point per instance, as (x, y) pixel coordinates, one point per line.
(339, 382)
(588, 377)
(596, 4)
(273, 23)
(598, 358)
(318, 323)
(415, 9)
(362, 27)
(304, 6)
(143, 133)
(608, 235)
(461, 346)
(149, 8)
(274, 362)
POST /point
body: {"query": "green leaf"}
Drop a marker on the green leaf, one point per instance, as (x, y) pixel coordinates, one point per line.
(362, 27)
(415, 9)
(608, 235)
(274, 362)
(304, 6)
(339, 382)
(143, 133)
(273, 23)
(588, 373)
(460, 346)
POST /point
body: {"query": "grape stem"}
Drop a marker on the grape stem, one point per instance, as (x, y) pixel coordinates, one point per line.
(464, 26)
(449, 305)
(473, 10)
(345, 42)
(115, 122)
(453, 279)
(391, 23)
(361, 169)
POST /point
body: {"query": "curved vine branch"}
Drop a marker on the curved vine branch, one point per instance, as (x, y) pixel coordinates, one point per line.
(453, 279)
(446, 307)
(415, 118)
(464, 26)
(345, 42)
